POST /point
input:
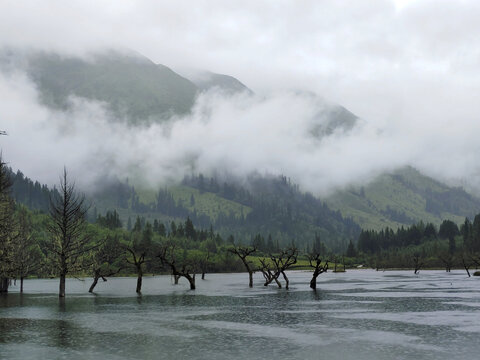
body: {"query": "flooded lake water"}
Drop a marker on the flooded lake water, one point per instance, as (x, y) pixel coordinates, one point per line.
(360, 314)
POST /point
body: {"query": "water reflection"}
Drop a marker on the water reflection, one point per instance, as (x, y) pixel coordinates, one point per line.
(357, 315)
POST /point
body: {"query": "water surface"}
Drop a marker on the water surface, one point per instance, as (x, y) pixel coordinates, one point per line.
(360, 314)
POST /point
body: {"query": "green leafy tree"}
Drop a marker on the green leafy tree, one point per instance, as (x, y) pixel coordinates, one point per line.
(7, 227)
(27, 255)
(448, 230)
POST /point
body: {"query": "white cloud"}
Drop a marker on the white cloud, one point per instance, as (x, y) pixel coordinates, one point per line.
(410, 69)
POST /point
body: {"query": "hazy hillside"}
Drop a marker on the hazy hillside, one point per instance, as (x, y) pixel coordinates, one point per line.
(272, 206)
(404, 197)
(132, 85)
(269, 207)
(206, 80)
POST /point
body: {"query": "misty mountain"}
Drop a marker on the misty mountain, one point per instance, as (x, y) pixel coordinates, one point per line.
(132, 86)
(206, 80)
(136, 89)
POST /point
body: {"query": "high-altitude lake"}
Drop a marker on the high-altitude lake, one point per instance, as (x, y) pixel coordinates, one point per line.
(360, 314)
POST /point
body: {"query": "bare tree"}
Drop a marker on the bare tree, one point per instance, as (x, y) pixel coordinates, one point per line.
(279, 263)
(107, 260)
(137, 256)
(69, 242)
(283, 261)
(268, 273)
(204, 263)
(447, 259)
(242, 253)
(315, 262)
(465, 264)
(475, 257)
(417, 262)
(184, 268)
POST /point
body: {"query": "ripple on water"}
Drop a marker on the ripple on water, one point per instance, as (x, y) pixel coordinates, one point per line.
(355, 315)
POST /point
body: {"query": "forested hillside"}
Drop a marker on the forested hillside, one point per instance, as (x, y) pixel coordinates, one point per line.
(272, 208)
(402, 198)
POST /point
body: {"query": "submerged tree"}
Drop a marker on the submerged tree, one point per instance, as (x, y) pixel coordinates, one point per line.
(417, 262)
(447, 259)
(466, 264)
(204, 263)
(69, 241)
(242, 253)
(268, 272)
(107, 260)
(179, 267)
(277, 266)
(136, 255)
(283, 261)
(315, 262)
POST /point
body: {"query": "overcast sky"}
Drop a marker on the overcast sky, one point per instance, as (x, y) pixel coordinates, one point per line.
(410, 68)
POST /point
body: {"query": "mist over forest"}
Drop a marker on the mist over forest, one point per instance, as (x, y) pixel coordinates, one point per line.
(407, 95)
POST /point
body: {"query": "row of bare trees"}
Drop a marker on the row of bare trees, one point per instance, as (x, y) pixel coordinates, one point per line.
(74, 250)
(465, 259)
(275, 265)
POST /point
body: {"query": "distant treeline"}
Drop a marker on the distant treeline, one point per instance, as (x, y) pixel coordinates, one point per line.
(277, 208)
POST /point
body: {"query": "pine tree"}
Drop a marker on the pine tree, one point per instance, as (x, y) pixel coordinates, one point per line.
(351, 252)
(190, 232)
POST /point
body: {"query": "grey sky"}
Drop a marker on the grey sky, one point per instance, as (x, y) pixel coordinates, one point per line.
(409, 68)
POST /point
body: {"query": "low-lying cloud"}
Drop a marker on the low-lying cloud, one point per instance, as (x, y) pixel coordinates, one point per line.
(407, 68)
(237, 135)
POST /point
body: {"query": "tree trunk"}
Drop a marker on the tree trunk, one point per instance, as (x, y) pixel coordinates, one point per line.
(286, 280)
(139, 281)
(3, 285)
(313, 282)
(250, 272)
(278, 282)
(191, 280)
(21, 284)
(61, 291)
(203, 275)
(175, 279)
(466, 266)
(95, 281)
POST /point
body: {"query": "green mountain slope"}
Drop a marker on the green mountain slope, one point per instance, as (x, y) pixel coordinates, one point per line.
(131, 85)
(402, 198)
(199, 202)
